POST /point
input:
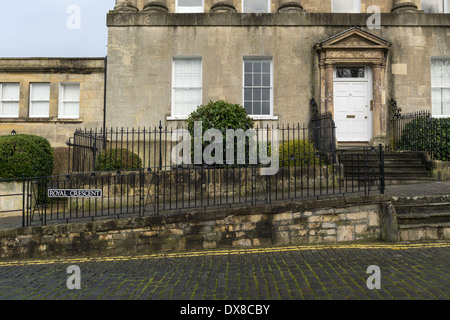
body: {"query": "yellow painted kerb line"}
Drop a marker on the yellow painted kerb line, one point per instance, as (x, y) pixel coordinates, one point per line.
(226, 252)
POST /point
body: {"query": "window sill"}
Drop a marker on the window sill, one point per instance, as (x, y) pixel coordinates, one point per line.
(264, 117)
(40, 120)
(175, 118)
(440, 116)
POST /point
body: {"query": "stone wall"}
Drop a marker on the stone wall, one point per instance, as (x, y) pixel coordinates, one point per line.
(11, 198)
(308, 221)
(440, 170)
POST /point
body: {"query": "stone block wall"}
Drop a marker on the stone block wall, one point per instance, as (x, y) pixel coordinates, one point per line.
(308, 221)
(11, 198)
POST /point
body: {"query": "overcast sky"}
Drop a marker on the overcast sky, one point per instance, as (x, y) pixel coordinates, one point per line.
(54, 28)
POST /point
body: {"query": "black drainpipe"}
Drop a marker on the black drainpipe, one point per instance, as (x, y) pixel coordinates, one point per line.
(104, 103)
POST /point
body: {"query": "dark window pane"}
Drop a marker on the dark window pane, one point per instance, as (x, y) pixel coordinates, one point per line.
(257, 80)
(257, 66)
(265, 108)
(257, 94)
(266, 66)
(353, 72)
(265, 94)
(248, 94)
(248, 107)
(257, 108)
(248, 80)
(266, 80)
(248, 66)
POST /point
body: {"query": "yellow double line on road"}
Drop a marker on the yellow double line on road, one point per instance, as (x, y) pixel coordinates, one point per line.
(401, 246)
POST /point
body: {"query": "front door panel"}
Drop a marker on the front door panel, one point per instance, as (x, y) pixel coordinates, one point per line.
(351, 111)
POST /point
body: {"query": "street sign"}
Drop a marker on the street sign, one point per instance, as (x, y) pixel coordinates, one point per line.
(75, 193)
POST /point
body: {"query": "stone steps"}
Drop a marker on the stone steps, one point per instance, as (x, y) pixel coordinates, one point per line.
(399, 167)
(423, 218)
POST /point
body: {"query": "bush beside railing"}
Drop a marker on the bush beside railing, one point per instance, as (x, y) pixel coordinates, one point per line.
(419, 131)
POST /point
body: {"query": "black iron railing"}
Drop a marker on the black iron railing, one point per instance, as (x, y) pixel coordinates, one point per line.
(154, 184)
(154, 146)
(418, 131)
(147, 192)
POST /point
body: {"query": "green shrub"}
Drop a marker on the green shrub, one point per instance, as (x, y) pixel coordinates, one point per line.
(427, 134)
(27, 155)
(117, 159)
(296, 153)
(221, 115)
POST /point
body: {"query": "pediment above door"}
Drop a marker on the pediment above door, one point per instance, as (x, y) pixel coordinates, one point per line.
(353, 45)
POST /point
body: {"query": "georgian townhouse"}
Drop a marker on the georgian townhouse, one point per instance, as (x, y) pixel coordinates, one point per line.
(166, 57)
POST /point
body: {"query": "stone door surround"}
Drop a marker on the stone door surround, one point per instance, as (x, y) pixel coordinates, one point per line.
(355, 46)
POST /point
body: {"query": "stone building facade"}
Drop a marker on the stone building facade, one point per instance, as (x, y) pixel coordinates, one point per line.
(165, 57)
(51, 97)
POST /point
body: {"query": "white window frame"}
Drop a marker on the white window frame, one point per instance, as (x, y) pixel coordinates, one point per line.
(61, 101)
(47, 115)
(268, 6)
(2, 100)
(184, 9)
(357, 2)
(431, 85)
(446, 6)
(174, 116)
(270, 116)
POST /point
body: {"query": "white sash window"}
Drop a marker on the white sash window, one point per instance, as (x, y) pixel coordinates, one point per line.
(187, 86)
(69, 101)
(9, 100)
(346, 6)
(256, 6)
(258, 86)
(189, 6)
(440, 87)
(39, 100)
(435, 6)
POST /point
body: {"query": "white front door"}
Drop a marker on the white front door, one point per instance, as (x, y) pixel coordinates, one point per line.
(352, 94)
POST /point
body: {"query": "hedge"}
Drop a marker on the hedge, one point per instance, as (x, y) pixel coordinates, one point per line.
(117, 159)
(296, 153)
(221, 115)
(27, 155)
(428, 134)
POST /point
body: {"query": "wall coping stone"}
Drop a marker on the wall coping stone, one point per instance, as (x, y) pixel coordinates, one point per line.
(396, 19)
(52, 65)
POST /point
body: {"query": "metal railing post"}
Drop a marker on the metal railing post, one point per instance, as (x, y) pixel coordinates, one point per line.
(382, 180)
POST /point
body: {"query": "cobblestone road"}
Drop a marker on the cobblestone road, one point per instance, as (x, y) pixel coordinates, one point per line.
(408, 271)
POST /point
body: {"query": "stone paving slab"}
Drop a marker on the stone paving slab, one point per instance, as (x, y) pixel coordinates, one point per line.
(318, 272)
(419, 189)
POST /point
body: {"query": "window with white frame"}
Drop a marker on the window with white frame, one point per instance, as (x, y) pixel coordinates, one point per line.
(189, 6)
(39, 100)
(69, 101)
(435, 6)
(187, 86)
(9, 100)
(346, 6)
(440, 87)
(256, 6)
(258, 86)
